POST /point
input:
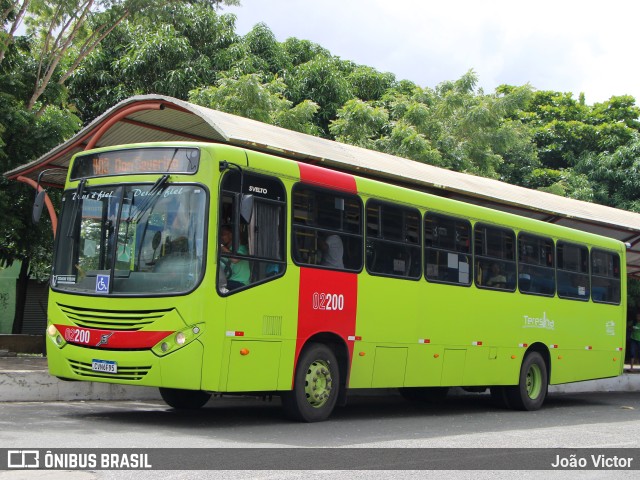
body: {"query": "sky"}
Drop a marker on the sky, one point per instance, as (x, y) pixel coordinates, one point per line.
(562, 45)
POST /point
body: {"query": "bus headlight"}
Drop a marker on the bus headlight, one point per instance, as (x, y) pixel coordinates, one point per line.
(177, 340)
(56, 336)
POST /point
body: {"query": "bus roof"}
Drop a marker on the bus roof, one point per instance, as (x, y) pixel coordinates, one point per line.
(153, 118)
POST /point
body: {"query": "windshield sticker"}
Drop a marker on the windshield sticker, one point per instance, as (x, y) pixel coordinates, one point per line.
(102, 284)
(93, 195)
(64, 280)
(167, 192)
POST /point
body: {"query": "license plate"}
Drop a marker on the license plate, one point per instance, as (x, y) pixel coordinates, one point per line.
(104, 366)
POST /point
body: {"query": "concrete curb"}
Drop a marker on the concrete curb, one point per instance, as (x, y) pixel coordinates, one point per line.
(39, 386)
(26, 379)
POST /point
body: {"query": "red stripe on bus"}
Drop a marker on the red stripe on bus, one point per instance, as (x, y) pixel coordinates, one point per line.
(327, 178)
(327, 303)
(110, 339)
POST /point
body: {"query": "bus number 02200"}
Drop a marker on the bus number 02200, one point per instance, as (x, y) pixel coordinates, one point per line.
(328, 301)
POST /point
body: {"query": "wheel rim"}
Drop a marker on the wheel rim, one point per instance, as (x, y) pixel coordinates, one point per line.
(534, 381)
(318, 383)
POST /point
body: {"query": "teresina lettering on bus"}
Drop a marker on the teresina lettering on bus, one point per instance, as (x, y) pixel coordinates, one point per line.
(536, 322)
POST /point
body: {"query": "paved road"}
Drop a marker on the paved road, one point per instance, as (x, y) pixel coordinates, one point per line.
(598, 420)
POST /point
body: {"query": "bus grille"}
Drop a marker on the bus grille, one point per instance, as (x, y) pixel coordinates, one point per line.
(131, 320)
(124, 373)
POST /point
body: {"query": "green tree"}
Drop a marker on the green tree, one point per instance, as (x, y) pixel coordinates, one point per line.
(359, 123)
(249, 97)
(181, 48)
(65, 32)
(452, 126)
(12, 14)
(368, 84)
(323, 81)
(615, 176)
(565, 128)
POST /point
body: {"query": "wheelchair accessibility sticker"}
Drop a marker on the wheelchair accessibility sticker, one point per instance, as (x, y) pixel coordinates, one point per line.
(102, 284)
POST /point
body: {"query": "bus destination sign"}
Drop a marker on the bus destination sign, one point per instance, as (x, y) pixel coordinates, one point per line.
(136, 160)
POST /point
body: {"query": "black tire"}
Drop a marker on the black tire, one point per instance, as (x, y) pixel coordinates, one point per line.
(316, 385)
(533, 384)
(425, 394)
(184, 399)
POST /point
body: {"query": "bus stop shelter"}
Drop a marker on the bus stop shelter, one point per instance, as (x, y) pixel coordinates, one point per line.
(152, 118)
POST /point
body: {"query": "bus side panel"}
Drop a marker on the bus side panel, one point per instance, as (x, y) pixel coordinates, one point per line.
(327, 303)
(594, 335)
(388, 315)
(260, 328)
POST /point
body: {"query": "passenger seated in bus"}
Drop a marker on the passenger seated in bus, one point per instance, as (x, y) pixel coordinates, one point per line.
(332, 250)
(237, 271)
(497, 278)
(524, 278)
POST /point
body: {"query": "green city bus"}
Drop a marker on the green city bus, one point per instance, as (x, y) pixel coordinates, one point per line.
(205, 268)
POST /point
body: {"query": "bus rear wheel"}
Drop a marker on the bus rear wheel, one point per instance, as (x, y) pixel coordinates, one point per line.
(184, 399)
(531, 390)
(315, 387)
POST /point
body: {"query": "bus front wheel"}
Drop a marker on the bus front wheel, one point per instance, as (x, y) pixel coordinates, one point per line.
(315, 387)
(184, 399)
(531, 390)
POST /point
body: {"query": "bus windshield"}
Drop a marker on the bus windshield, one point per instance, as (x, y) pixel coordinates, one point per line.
(131, 239)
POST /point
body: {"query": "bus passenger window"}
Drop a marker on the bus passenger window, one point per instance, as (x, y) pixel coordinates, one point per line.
(495, 266)
(605, 277)
(393, 240)
(536, 273)
(327, 230)
(251, 231)
(447, 246)
(573, 271)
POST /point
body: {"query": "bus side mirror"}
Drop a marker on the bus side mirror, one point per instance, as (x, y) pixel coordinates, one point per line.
(246, 207)
(38, 205)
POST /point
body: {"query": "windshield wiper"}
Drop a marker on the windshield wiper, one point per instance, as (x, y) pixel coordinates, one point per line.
(150, 200)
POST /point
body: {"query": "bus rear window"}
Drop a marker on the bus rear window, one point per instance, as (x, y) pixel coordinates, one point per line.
(605, 277)
(536, 274)
(573, 271)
